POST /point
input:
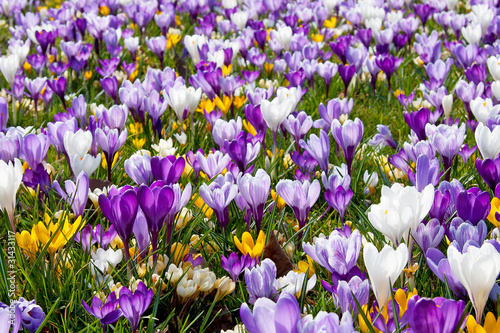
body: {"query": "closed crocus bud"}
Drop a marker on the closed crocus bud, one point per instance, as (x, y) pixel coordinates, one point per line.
(495, 89)
(488, 141)
(275, 112)
(472, 33)
(447, 103)
(384, 268)
(494, 67)
(477, 269)
(11, 175)
(77, 143)
(239, 19)
(9, 67)
(193, 44)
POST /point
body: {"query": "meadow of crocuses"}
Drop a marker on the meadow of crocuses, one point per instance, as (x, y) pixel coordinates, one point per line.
(249, 166)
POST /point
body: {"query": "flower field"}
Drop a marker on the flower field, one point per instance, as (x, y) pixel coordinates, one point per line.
(249, 166)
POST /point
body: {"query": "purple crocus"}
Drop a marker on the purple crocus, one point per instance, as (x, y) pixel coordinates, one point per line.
(489, 170)
(346, 73)
(345, 292)
(473, 205)
(77, 194)
(218, 195)
(318, 148)
(156, 108)
(133, 305)
(108, 66)
(138, 168)
(299, 196)
(255, 191)
(167, 169)
(464, 233)
(298, 125)
(106, 312)
(383, 137)
(35, 87)
(417, 120)
(110, 141)
(155, 203)
(348, 137)
(327, 71)
(235, 265)
(121, 210)
(226, 130)
(260, 281)
(58, 86)
(434, 315)
(388, 64)
(32, 315)
(339, 199)
(110, 86)
(429, 235)
(157, 45)
(242, 152)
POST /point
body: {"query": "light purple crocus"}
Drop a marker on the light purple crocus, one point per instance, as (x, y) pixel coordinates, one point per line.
(345, 291)
(318, 148)
(226, 130)
(299, 196)
(348, 137)
(115, 117)
(298, 125)
(218, 195)
(428, 235)
(133, 305)
(75, 195)
(32, 315)
(35, 87)
(327, 322)
(255, 191)
(156, 108)
(242, 152)
(383, 137)
(214, 163)
(260, 280)
(35, 148)
(138, 168)
(440, 266)
(337, 253)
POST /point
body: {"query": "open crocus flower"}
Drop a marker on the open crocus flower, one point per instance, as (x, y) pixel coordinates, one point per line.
(491, 324)
(45, 231)
(11, 175)
(28, 241)
(247, 245)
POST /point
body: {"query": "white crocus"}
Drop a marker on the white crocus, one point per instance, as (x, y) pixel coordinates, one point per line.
(495, 89)
(111, 256)
(293, 283)
(483, 109)
(447, 104)
(494, 67)
(275, 112)
(239, 19)
(164, 147)
(400, 210)
(186, 288)
(77, 143)
(177, 99)
(193, 98)
(11, 176)
(283, 35)
(87, 163)
(477, 269)
(384, 269)
(192, 44)
(21, 50)
(9, 67)
(488, 141)
(472, 33)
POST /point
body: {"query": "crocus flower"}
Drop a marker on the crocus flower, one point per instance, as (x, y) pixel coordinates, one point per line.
(242, 152)
(138, 168)
(260, 280)
(429, 235)
(11, 176)
(434, 315)
(270, 317)
(110, 86)
(337, 253)
(348, 136)
(235, 265)
(440, 266)
(77, 194)
(35, 148)
(9, 67)
(247, 245)
(214, 163)
(473, 205)
(226, 130)
(477, 269)
(32, 315)
(6, 319)
(157, 45)
(110, 141)
(133, 305)
(383, 137)
(491, 324)
(417, 120)
(106, 312)
(255, 191)
(299, 196)
(318, 148)
(121, 210)
(326, 322)
(488, 141)
(384, 268)
(464, 233)
(447, 140)
(155, 203)
(55, 236)
(218, 195)
(167, 169)
(344, 293)
(58, 86)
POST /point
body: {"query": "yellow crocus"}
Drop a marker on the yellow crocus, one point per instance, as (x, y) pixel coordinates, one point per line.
(172, 40)
(224, 104)
(178, 251)
(249, 128)
(280, 203)
(28, 242)
(88, 75)
(317, 37)
(104, 10)
(331, 23)
(304, 266)
(104, 163)
(204, 207)
(27, 67)
(239, 101)
(495, 208)
(268, 68)
(226, 70)
(138, 143)
(45, 231)
(247, 245)
(178, 20)
(206, 105)
(491, 324)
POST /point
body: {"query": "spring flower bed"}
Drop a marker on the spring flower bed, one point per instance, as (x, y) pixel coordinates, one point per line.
(249, 166)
